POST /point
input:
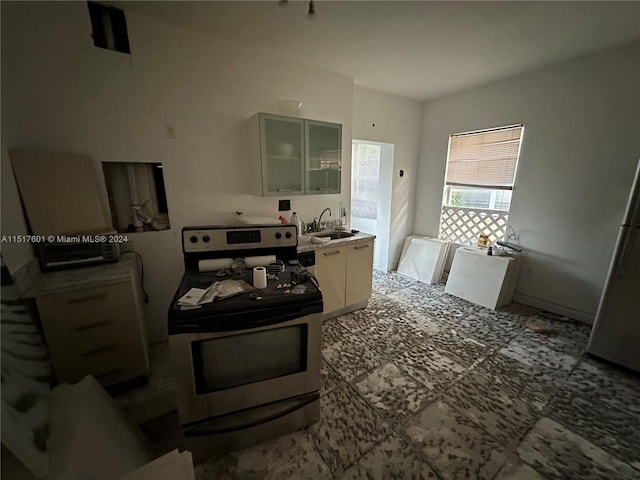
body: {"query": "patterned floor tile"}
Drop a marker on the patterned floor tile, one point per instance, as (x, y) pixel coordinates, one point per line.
(350, 356)
(492, 331)
(380, 309)
(329, 379)
(387, 282)
(464, 350)
(393, 393)
(283, 458)
(505, 417)
(534, 385)
(387, 339)
(347, 429)
(392, 459)
(570, 336)
(535, 353)
(514, 469)
(558, 453)
(446, 310)
(332, 331)
(612, 429)
(453, 445)
(416, 295)
(430, 366)
(421, 326)
(365, 319)
(614, 386)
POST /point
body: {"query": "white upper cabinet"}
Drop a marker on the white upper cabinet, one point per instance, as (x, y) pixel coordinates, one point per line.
(323, 149)
(299, 156)
(281, 150)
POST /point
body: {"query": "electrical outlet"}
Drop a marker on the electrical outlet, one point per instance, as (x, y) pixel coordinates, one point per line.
(170, 130)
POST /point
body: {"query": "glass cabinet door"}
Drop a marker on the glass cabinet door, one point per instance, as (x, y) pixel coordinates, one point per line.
(323, 145)
(282, 148)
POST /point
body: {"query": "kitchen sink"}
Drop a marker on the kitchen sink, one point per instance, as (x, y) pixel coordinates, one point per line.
(335, 235)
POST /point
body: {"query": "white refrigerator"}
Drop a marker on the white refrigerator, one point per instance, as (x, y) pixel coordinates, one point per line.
(616, 331)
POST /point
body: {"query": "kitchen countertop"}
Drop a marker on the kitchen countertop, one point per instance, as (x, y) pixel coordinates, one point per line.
(305, 245)
(37, 283)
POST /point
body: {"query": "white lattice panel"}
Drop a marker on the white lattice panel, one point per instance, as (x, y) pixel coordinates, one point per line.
(464, 225)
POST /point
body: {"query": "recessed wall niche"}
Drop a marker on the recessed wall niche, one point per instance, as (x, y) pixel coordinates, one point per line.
(136, 196)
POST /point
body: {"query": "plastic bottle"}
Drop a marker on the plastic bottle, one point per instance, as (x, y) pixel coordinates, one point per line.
(295, 221)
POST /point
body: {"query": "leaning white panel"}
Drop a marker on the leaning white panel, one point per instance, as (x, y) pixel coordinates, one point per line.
(423, 258)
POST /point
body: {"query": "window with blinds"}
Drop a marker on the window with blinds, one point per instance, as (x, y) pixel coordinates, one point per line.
(481, 170)
(487, 159)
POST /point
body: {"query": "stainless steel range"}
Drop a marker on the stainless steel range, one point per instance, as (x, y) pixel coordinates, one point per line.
(247, 367)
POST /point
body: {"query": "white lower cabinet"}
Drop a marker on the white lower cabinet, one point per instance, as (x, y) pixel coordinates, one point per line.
(344, 273)
(359, 275)
(330, 272)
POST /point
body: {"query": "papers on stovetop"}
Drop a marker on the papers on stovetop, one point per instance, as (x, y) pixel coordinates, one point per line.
(197, 297)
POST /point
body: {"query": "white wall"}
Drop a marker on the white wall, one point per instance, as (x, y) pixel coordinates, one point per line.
(59, 92)
(388, 118)
(580, 148)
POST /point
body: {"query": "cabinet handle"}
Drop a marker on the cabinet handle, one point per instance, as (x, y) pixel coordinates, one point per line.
(361, 246)
(99, 350)
(332, 253)
(92, 325)
(87, 299)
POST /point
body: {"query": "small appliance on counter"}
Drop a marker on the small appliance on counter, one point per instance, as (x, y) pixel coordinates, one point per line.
(60, 252)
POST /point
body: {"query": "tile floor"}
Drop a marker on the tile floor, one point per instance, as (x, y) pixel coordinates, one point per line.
(423, 385)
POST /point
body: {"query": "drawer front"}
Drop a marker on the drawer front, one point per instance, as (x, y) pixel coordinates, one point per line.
(79, 333)
(84, 301)
(109, 365)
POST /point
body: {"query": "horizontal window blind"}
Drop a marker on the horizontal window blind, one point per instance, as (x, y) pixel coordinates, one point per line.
(487, 158)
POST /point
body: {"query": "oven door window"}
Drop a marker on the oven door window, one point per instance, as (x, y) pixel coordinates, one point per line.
(227, 362)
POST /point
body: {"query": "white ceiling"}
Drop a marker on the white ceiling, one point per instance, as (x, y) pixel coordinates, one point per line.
(417, 49)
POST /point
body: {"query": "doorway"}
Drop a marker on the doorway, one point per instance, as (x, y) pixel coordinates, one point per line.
(371, 185)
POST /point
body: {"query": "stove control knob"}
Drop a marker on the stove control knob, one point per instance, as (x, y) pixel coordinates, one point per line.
(288, 234)
(193, 239)
(278, 235)
(206, 239)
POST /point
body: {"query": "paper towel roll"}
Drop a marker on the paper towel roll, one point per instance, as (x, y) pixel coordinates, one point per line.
(260, 277)
(260, 261)
(214, 264)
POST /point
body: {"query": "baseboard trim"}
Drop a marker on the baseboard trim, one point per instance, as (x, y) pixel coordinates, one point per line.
(554, 308)
(344, 310)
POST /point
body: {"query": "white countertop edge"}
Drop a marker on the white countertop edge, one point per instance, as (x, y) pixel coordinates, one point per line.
(357, 238)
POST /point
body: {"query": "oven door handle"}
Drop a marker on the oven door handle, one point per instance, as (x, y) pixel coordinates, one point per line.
(234, 422)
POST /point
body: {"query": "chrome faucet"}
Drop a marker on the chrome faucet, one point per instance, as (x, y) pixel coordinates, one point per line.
(320, 218)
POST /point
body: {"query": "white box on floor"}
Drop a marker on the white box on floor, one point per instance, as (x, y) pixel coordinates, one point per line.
(487, 280)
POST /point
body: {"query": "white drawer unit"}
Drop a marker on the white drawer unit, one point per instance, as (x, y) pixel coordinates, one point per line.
(97, 331)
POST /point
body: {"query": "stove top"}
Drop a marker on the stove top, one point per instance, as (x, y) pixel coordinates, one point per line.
(278, 302)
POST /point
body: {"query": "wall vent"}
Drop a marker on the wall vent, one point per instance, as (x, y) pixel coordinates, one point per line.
(109, 27)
